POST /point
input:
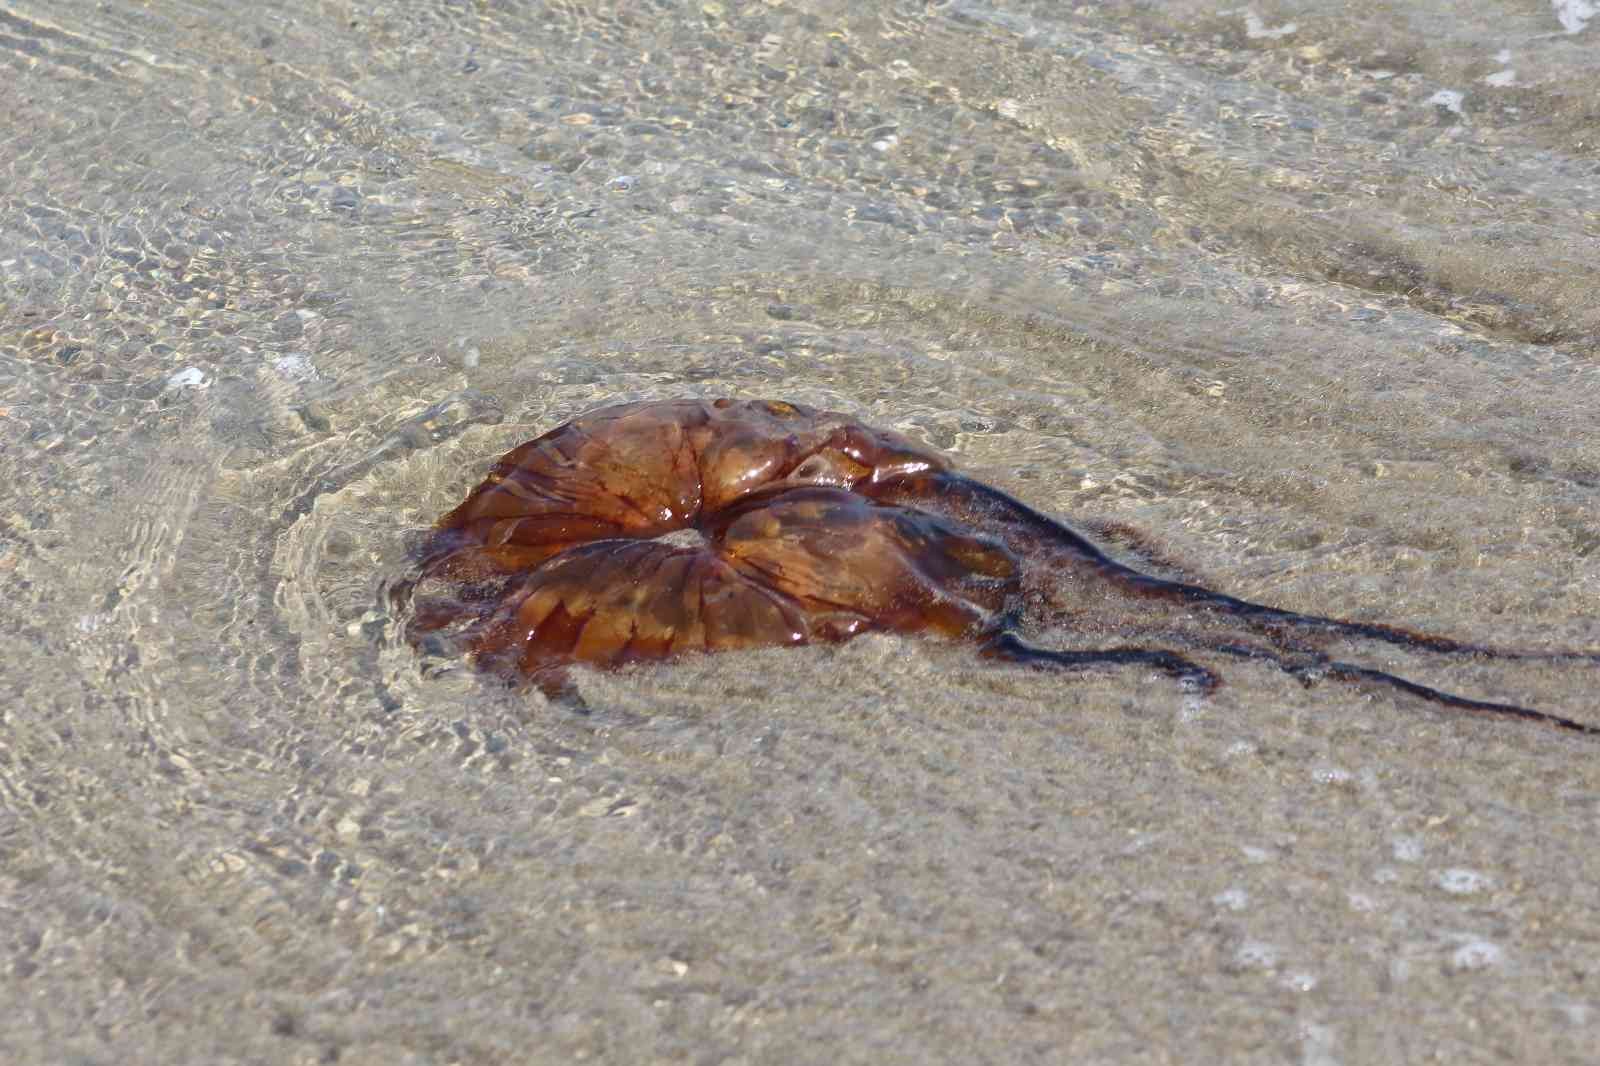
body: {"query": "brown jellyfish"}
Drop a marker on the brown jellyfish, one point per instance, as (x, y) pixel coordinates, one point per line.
(650, 530)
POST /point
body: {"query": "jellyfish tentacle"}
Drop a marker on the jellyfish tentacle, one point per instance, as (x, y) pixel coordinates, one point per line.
(1006, 646)
(1309, 670)
(1353, 672)
(997, 512)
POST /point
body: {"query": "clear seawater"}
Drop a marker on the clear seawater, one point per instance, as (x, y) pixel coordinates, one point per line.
(1308, 293)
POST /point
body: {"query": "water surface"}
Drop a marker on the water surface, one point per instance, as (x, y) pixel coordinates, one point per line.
(1306, 292)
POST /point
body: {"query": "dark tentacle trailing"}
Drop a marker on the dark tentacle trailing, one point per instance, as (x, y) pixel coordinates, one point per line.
(1039, 536)
(647, 531)
(1006, 646)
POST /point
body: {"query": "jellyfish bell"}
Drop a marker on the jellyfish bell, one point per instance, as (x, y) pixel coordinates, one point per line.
(646, 469)
(809, 564)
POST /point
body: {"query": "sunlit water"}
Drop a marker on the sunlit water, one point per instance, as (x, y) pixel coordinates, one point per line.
(1309, 293)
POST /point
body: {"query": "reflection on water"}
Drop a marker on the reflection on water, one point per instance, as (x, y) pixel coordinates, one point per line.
(1304, 291)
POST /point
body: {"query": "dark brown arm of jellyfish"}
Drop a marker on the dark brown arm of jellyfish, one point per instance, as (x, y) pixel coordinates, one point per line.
(1062, 555)
(1006, 646)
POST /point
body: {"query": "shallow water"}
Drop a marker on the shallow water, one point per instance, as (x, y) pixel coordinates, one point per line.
(1306, 292)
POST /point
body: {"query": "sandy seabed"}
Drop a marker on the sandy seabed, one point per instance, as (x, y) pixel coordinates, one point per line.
(1305, 294)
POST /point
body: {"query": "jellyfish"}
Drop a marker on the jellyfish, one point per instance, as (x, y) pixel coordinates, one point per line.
(648, 531)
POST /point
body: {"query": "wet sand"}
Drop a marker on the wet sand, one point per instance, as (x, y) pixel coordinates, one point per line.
(280, 282)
